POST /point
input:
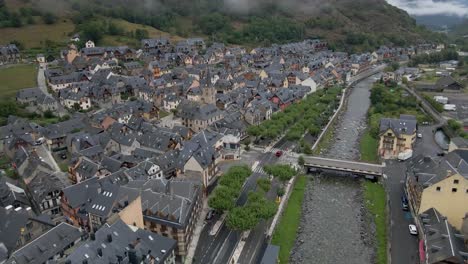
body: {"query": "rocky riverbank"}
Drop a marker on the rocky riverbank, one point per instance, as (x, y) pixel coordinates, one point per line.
(335, 226)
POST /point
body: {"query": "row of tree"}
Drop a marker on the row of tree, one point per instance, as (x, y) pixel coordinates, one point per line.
(229, 188)
(258, 207)
(436, 57)
(309, 115)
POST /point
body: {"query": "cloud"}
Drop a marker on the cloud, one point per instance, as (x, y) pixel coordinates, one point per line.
(433, 7)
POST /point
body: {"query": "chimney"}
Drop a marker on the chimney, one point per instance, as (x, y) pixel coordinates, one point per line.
(132, 255)
(99, 252)
(109, 238)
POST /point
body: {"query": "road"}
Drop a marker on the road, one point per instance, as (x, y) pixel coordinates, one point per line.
(42, 85)
(219, 248)
(404, 247)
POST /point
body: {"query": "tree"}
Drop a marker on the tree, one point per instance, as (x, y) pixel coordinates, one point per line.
(262, 208)
(283, 172)
(223, 199)
(214, 23)
(301, 160)
(92, 31)
(49, 18)
(76, 106)
(15, 20)
(241, 218)
(48, 114)
(280, 192)
(264, 184)
(8, 108)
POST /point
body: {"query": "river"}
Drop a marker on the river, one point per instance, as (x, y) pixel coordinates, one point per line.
(334, 227)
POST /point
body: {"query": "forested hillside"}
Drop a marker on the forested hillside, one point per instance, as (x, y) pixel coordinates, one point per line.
(354, 25)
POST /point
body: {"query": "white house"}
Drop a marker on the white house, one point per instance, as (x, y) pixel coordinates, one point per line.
(90, 44)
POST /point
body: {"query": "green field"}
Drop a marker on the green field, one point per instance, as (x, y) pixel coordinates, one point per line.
(15, 78)
(375, 197)
(35, 36)
(368, 148)
(285, 233)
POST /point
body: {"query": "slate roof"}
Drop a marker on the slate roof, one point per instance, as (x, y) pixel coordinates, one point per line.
(47, 245)
(11, 222)
(398, 126)
(194, 111)
(168, 202)
(442, 241)
(119, 242)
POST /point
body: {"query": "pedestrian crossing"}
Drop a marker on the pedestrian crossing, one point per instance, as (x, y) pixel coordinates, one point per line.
(259, 169)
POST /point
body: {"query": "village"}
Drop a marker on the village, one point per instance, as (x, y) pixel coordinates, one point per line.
(142, 137)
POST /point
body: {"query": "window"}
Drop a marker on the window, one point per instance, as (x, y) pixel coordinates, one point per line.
(454, 189)
(438, 188)
(455, 181)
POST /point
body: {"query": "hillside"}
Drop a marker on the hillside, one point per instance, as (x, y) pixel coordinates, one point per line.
(351, 25)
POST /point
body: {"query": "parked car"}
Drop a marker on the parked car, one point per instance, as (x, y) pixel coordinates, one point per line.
(419, 135)
(210, 214)
(404, 203)
(39, 141)
(279, 153)
(412, 229)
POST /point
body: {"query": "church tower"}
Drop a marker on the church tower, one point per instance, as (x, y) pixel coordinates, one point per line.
(208, 90)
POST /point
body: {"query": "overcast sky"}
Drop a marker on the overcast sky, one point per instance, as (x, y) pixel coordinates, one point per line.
(433, 7)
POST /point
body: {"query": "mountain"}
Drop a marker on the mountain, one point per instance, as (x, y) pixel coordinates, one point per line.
(353, 25)
(436, 14)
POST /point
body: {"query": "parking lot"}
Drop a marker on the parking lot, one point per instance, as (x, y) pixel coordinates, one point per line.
(458, 99)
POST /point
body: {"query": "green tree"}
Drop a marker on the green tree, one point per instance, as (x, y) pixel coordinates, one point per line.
(241, 218)
(301, 160)
(8, 108)
(282, 172)
(92, 31)
(223, 199)
(264, 184)
(48, 114)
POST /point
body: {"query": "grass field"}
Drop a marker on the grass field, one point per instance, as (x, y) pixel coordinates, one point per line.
(285, 233)
(368, 148)
(34, 36)
(375, 197)
(15, 78)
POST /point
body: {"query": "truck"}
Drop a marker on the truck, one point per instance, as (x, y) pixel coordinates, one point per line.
(402, 156)
(450, 107)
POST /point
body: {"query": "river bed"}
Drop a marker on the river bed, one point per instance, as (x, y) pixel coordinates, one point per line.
(334, 227)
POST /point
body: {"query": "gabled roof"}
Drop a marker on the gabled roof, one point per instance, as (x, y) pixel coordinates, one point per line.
(47, 245)
(119, 242)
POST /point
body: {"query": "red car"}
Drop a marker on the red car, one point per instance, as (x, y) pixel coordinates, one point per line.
(279, 153)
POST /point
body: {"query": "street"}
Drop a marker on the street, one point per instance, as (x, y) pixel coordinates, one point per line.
(220, 247)
(404, 246)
